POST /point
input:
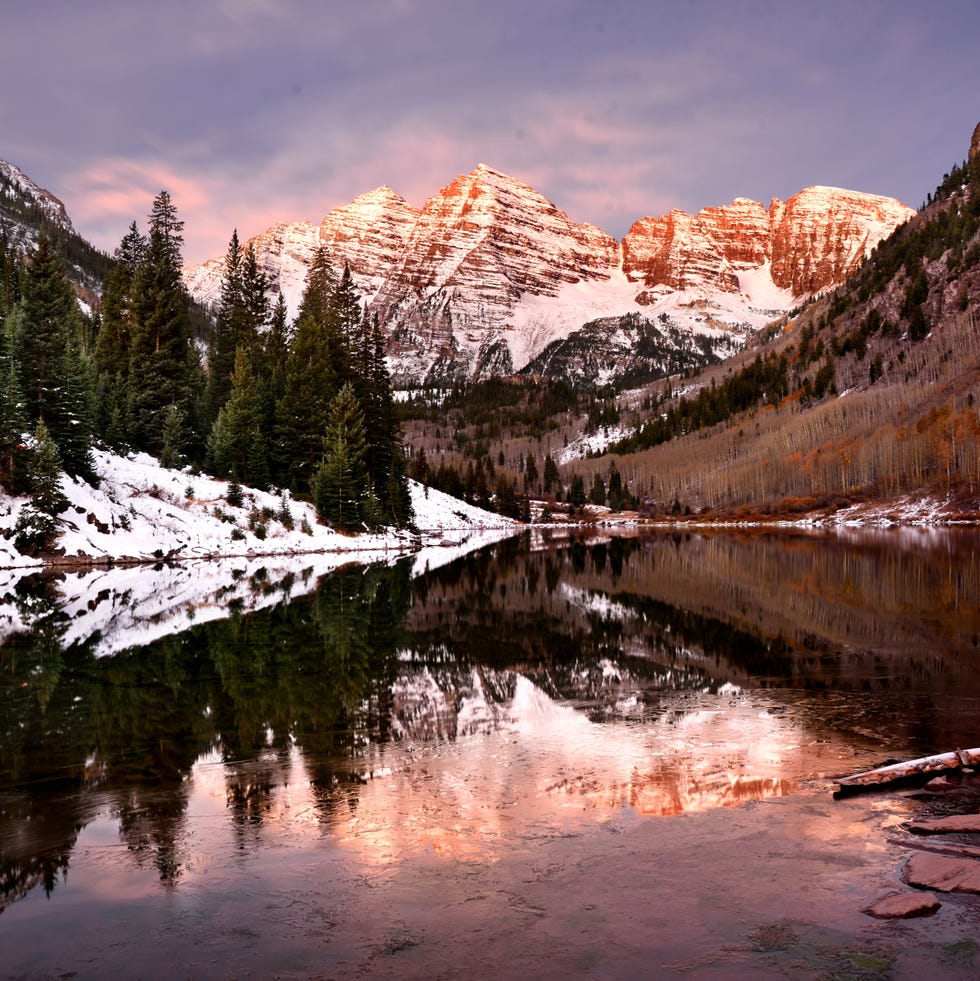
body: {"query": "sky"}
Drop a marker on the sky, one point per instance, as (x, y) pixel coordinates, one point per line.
(255, 111)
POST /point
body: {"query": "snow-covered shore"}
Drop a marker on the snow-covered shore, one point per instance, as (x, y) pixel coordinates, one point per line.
(142, 512)
(151, 551)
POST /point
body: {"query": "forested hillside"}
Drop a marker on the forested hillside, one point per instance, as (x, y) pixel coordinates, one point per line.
(869, 392)
(307, 406)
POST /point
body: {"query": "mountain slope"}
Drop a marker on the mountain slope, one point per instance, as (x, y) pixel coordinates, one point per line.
(490, 272)
(28, 210)
(871, 392)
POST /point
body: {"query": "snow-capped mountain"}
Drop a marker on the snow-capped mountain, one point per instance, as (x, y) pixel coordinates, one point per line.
(370, 234)
(27, 211)
(19, 196)
(490, 273)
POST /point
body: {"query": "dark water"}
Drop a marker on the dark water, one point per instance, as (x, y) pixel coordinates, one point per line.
(528, 691)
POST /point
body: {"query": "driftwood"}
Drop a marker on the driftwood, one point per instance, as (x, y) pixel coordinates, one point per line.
(926, 765)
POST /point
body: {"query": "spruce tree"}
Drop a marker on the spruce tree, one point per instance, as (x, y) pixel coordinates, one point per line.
(597, 493)
(237, 447)
(615, 489)
(256, 307)
(49, 316)
(340, 486)
(37, 521)
(72, 423)
(113, 341)
(224, 335)
(171, 454)
(552, 476)
(162, 360)
(309, 384)
(13, 421)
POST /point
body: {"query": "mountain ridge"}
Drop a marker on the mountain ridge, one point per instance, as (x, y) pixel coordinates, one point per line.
(489, 272)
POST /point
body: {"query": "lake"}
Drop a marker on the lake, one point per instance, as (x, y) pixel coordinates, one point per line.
(602, 754)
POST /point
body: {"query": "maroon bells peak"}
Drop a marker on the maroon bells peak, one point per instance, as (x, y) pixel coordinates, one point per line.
(490, 272)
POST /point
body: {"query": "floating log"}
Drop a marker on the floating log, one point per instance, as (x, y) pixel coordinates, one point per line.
(911, 769)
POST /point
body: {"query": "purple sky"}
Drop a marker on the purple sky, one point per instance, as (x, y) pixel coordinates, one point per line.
(252, 111)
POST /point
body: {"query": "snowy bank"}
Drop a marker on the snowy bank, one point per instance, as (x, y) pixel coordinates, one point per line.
(153, 523)
(143, 512)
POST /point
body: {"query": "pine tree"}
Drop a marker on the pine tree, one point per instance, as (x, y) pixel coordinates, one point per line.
(552, 476)
(597, 493)
(114, 339)
(346, 334)
(615, 489)
(237, 447)
(37, 521)
(73, 420)
(255, 303)
(49, 316)
(224, 335)
(341, 485)
(309, 383)
(13, 421)
(162, 360)
(530, 474)
(171, 454)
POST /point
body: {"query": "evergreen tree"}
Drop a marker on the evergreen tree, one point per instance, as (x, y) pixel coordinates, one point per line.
(309, 382)
(228, 326)
(237, 447)
(37, 521)
(255, 303)
(112, 346)
(615, 489)
(171, 455)
(383, 435)
(11, 272)
(530, 474)
(13, 421)
(597, 493)
(346, 336)
(73, 421)
(49, 316)
(552, 476)
(341, 485)
(162, 360)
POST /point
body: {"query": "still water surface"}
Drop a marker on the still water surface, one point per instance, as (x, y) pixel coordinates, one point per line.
(226, 798)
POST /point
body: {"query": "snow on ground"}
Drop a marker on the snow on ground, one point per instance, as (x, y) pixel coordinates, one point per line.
(584, 444)
(142, 512)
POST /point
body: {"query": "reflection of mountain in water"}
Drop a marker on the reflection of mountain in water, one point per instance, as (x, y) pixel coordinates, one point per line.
(541, 649)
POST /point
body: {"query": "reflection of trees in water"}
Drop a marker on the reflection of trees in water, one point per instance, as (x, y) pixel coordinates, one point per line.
(372, 656)
(151, 825)
(894, 614)
(316, 672)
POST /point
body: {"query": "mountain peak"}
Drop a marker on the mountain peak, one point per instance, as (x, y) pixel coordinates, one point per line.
(490, 271)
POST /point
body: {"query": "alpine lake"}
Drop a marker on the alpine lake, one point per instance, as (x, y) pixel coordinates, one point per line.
(568, 754)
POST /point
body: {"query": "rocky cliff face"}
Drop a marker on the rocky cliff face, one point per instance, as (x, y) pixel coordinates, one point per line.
(814, 240)
(490, 272)
(369, 234)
